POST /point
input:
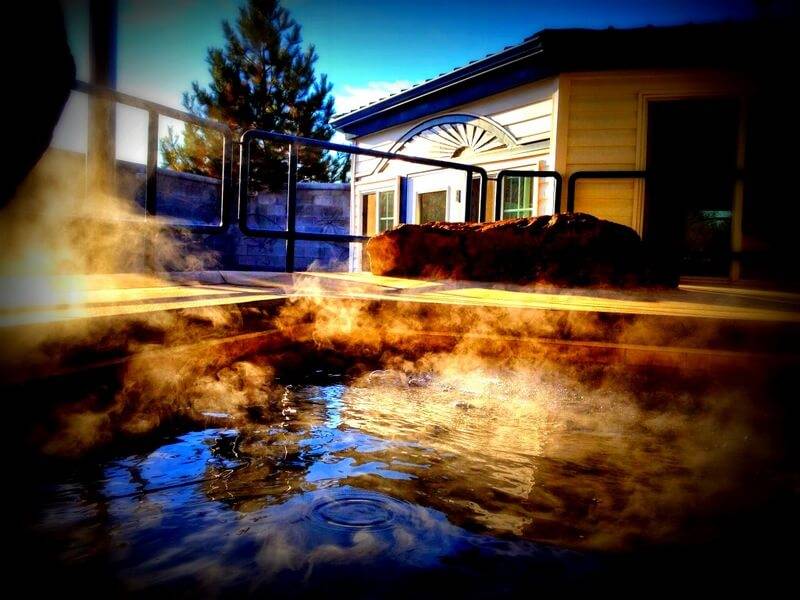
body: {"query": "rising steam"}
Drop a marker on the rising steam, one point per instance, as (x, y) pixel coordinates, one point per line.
(478, 387)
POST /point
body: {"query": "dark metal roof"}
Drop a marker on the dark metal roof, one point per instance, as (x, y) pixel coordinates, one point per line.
(554, 51)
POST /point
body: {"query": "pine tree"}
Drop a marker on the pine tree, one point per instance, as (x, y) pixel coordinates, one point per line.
(262, 79)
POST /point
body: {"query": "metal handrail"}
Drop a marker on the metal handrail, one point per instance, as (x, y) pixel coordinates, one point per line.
(511, 173)
(154, 110)
(290, 234)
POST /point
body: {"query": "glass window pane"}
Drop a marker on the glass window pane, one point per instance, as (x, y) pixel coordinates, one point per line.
(385, 210)
(511, 201)
(386, 201)
(518, 198)
(432, 206)
(527, 193)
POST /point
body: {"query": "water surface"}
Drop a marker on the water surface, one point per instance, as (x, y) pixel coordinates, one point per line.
(494, 482)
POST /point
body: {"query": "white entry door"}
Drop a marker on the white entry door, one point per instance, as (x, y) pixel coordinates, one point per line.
(437, 195)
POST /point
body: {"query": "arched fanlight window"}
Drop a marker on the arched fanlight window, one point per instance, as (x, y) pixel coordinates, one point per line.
(452, 136)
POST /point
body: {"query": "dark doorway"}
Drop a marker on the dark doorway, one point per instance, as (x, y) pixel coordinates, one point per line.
(475, 207)
(691, 165)
(368, 218)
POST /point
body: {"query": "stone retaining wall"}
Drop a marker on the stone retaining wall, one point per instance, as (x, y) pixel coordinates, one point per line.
(187, 198)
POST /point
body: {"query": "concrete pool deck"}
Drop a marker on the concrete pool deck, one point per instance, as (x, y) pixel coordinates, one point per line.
(39, 301)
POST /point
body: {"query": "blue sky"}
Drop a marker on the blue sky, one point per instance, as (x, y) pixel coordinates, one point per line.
(364, 46)
(367, 48)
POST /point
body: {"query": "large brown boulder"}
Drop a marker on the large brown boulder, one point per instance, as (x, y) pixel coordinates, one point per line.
(564, 249)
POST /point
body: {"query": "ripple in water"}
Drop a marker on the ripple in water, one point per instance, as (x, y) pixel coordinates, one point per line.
(359, 511)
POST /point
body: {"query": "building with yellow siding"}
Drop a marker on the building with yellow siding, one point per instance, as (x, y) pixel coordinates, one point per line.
(669, 130)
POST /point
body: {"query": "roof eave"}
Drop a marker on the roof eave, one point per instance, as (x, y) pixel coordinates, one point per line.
(551, 52)
(513, 55)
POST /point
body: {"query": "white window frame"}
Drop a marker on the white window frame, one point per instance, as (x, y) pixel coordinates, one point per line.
(534, 195)
(395, 208)
(447, 194)
(376, 188)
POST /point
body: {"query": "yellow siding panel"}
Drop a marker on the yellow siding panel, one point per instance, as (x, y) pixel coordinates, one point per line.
(599, 155)
(603, 121)
(582, 196)
(602, 137)
(603, 133)
(616, 86)
(572, 167)
(619, 211)
(624, 104)
(598, 189)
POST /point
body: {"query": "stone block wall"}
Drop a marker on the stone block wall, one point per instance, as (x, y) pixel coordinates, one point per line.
(186, 198)
(321, 208)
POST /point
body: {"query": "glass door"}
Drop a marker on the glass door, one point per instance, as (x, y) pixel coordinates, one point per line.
(432, 206)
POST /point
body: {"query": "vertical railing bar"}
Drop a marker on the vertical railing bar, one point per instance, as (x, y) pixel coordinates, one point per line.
(151, 188)
(498, 197)
(468, 196)
(244, 180)
(573, 178)
(557, 199)
(484, 198)
(227, 209)
(150, 202)
(291, 207)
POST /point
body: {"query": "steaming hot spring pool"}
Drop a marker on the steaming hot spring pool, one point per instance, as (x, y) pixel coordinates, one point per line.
(346, 479)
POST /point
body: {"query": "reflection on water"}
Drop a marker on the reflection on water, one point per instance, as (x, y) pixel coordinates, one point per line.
(396, 474)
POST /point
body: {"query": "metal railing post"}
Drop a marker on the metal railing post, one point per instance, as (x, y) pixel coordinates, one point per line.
(151, 187)
(557, 193)
(468, 197)
(244, 177)
(291, 208)
(482, 203)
